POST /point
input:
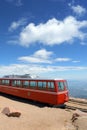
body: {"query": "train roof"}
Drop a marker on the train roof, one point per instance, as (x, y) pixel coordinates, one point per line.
(33, 78)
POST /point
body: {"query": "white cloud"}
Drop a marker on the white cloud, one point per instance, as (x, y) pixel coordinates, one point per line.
(53, 32)
(44, 56)
(14, 25)
(40, 56)
(76, 61)
(43, 53)
(62, 59)
(36, 69)
(32, 59)
(79, 10)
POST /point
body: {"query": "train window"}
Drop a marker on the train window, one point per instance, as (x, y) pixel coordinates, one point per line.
(41, 85)
(0, 82)
(44, 84)
(16, 83)
(6, 82)
(33, 84)
(3, 81)
(61, 86)
(65, 84)
(51, 85)
(26, 84)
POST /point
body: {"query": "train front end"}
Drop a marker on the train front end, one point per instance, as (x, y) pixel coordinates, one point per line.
(62, 90)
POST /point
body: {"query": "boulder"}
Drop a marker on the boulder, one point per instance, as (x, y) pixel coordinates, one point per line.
(11, 112)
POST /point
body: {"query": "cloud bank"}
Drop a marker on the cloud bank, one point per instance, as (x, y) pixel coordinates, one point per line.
(36, 69)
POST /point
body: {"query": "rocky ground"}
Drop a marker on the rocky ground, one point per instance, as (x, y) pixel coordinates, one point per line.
(36, 116)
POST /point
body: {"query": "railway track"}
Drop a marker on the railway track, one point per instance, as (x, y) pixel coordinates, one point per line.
(75, 103)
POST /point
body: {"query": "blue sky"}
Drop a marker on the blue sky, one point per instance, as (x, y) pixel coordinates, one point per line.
(44, 37)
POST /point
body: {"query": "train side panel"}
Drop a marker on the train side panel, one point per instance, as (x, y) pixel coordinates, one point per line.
(37, 95)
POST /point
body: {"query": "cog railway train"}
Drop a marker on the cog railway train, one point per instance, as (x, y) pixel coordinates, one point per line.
(50, 91)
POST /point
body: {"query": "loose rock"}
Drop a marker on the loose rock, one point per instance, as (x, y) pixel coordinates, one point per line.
(11, 112)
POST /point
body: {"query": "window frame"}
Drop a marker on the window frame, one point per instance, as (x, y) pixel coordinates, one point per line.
(61, 88)
(25, 85)
(32, 84)
(41, 85)
(51, 85)
(16, 84)
(5, 82)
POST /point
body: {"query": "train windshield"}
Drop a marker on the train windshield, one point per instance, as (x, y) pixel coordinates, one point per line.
(62, 86)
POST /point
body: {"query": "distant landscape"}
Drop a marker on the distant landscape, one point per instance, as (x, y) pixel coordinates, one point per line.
(77, 88)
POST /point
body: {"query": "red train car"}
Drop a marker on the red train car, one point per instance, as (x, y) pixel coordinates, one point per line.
(50, 91)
